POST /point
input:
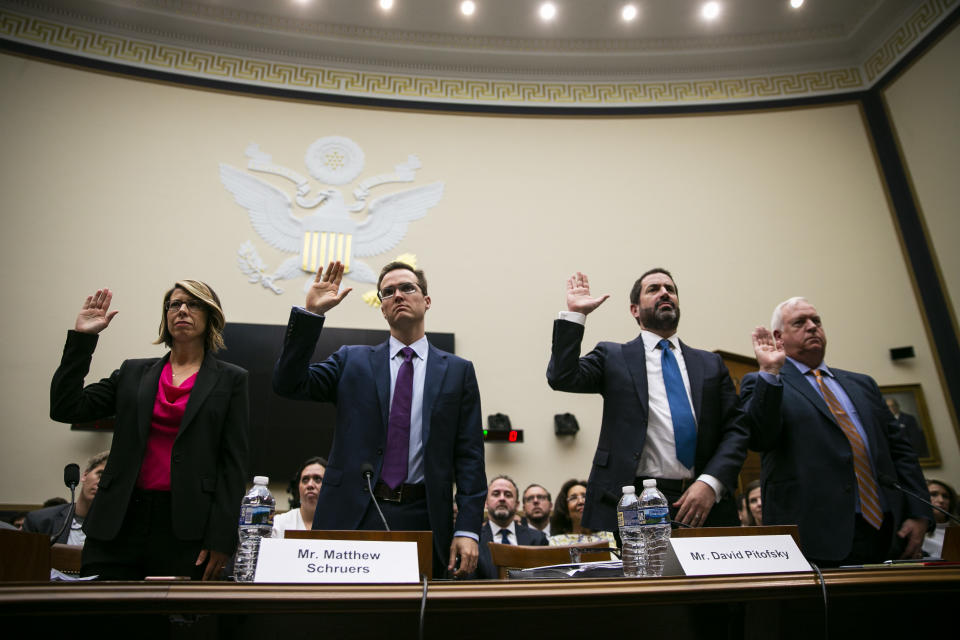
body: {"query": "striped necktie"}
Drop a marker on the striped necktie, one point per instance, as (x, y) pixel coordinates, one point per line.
(869, 502)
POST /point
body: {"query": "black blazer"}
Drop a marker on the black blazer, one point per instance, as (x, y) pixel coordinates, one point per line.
(619, 373)
(49, 521)
(207, 466)
(808, 477)
(525, 536)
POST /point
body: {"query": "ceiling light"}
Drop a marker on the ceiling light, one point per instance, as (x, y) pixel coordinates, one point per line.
(467, 7)
(628, 13)
(386, 5)
(548, 11)
(796, 4)
(710, 10)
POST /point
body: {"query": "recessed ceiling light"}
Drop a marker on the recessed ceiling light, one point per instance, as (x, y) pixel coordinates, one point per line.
(302, 1)
(710, 10)
(467, 7)
(548, 11)
(796, 4)
(386, 5)
(628, 13)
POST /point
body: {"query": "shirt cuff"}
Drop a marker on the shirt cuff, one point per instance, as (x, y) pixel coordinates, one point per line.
(770, 378)
(713, 483)
(309, 313)
(466, 534)
(573, 316)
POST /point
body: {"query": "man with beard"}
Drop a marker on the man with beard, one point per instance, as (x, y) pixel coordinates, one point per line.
(831, 448)
(669, 411)
(502, 526)
(537, 507)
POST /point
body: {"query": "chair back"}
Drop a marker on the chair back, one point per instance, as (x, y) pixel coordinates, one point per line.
(512, 556)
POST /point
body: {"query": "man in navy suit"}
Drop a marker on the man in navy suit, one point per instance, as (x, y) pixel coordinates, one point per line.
(502, 526)
(670, 412)
(51, 519)
(407, 409)
(831, 448)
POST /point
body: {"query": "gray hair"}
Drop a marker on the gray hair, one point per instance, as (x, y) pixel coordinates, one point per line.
(776, 320)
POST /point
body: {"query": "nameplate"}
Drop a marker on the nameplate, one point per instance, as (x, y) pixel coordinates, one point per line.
(342, 561)
(724, 555)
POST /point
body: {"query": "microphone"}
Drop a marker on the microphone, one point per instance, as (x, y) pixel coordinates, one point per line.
(71, 478)
(366, 470)
(891, 483)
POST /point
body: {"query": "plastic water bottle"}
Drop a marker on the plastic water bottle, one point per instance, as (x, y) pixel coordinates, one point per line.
(655, 530)
(628, 519)
(256, 522)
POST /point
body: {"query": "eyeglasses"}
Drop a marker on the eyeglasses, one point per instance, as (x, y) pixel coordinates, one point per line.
(541, 497)
(192, 305)
(388, 292)
(577, 497)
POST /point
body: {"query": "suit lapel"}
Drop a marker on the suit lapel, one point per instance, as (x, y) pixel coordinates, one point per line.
(433, 382)
(380, 365)
(636, 359)
(206, 380)
(147, 396)
(694, 366)
(861, 405)
(798, 381)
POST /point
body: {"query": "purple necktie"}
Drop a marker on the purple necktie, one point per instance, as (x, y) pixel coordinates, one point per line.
(398, 429)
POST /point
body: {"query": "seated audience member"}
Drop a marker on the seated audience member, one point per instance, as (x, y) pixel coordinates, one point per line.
(304, 492)
(51, 519)
(754, 503)
(943, 496)
(565, 525)
(537, 508)
(501, 526)
(17, 519)
(743, 512)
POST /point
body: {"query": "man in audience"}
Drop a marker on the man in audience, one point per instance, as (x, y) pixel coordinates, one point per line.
(51, 519)
(831, 449)
(537, 507)
(502, 527)
(670, 412)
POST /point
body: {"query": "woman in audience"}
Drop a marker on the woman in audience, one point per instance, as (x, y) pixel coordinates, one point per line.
(304, 491)
(169, 498)
(943, 496)
(565, 524)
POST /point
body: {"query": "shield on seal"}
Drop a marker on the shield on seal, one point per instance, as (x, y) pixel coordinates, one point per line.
(324, 240)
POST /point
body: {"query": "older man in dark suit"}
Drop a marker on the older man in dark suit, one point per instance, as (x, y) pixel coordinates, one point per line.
(831, 448)
(404, 407)
(669, 411)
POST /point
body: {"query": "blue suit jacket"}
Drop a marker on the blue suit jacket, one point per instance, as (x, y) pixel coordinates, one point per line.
(525, 536)
(808, 477)
(619, 373)
(357, 379)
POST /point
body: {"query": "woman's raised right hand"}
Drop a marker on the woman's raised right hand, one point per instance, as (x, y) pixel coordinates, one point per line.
(95, 313)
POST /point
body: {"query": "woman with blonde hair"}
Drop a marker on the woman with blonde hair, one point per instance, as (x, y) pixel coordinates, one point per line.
(169, 497)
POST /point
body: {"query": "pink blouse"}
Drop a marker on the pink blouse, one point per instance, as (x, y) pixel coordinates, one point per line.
(168, 410)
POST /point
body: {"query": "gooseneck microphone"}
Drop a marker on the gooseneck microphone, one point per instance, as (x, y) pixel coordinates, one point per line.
(890, 482)
(71, 478)
(366, 470)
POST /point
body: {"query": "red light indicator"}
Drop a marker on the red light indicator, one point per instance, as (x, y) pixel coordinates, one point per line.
(513, 436)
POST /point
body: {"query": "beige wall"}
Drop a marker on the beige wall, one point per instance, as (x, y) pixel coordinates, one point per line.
(113, 182)
(923, 104)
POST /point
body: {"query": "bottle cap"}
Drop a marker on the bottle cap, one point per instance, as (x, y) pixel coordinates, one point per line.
(649, 482)
(628, 488)
(261, 480)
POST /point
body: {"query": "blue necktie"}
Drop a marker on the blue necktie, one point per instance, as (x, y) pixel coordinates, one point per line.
(504, 536)
(684, 425)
